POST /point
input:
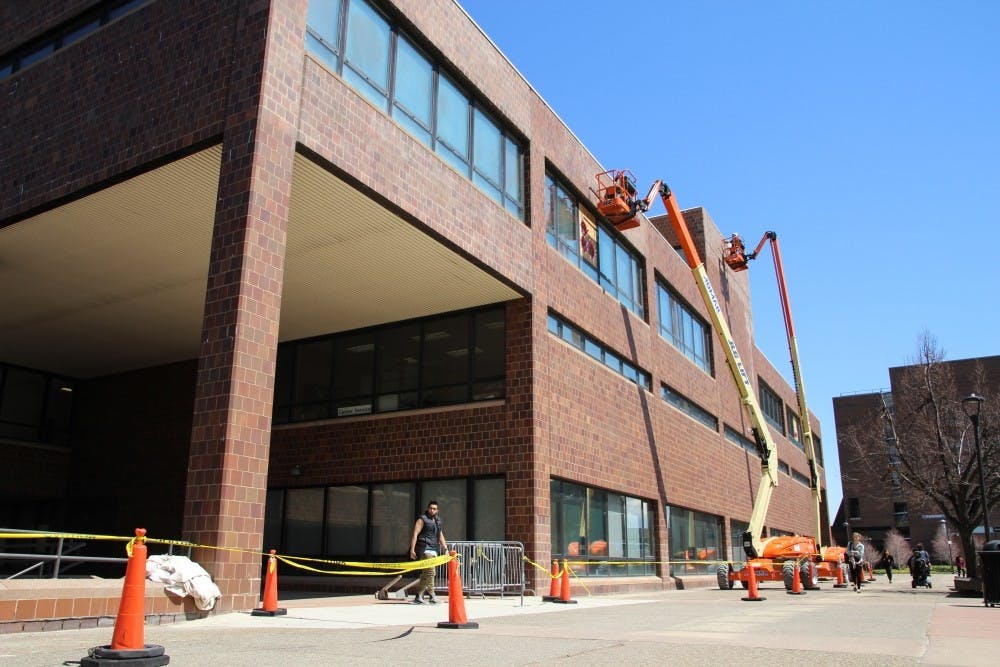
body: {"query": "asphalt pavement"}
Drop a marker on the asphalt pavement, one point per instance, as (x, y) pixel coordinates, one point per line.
(882, 625)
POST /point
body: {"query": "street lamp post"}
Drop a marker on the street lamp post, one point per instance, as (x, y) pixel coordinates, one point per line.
(847, 533)
(947, 538)
(972, 404)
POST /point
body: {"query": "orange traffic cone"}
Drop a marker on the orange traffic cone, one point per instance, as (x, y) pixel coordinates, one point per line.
(270, 605)
(564, 593)
(457, 620)
(127, 640)
(840, 577)
(796, 582)
(753, 595)
(554, 586)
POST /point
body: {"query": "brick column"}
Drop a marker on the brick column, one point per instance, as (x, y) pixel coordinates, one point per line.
(230, 441)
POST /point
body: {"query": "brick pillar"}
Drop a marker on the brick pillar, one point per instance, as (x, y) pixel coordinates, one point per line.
(230, 440)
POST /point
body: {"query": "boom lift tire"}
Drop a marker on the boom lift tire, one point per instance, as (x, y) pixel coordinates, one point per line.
(788, 574)
(809, 577)
(722, 575)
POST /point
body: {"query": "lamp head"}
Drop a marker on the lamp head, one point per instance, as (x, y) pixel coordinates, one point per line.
(972, 404)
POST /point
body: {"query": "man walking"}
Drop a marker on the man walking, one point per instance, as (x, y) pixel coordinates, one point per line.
(427, 537)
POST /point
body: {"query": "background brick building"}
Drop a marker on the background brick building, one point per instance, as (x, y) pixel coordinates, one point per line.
(286, 270)
(873, 503)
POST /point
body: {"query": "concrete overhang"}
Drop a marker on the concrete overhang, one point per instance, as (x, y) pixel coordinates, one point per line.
(115, 280)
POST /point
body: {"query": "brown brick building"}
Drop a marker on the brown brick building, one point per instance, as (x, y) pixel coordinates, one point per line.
(874, 501)
(279, 272)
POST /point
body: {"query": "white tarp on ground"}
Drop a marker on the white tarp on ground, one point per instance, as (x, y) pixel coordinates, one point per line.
(183, 577)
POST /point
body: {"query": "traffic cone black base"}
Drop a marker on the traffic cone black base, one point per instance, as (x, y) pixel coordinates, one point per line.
(150, 655)
(273, 612)
(468, 625)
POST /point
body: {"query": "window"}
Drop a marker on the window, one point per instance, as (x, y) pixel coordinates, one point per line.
(425, 363)
(783, 467)
(800, 478)
(572, 231)
(414, 93)
(732, 435)
(853, 508)
(773, 408)
(385, 66)
(366, 53)
(794, 429)
(695, 541)
(689, 407)
(736, 531)
(567, 332)
(35, 406)
(682, 328)
(323, 31)
(610, 531)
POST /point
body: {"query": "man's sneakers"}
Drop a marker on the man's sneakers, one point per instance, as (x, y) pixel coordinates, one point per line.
(431, 599)
(417, 600)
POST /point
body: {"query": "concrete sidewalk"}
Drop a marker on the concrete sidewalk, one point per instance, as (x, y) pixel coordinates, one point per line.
(883, 624)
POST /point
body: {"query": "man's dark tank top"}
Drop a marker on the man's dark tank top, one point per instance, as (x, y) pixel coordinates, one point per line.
(428, 536)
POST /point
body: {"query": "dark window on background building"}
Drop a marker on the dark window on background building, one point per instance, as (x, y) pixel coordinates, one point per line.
(853, 508)
(772, 406)
(354, 39)
(613, 532)
(436, 361)
(695, 541)
(376, 520)
(681, 327)
(572, 230)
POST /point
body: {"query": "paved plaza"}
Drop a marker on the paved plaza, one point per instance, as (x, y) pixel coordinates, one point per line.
(882, 625)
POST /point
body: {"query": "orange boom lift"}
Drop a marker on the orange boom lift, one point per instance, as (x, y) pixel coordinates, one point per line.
(773, 558)
(738, 259)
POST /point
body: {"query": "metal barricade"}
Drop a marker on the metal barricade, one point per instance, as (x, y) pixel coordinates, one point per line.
(487, 568)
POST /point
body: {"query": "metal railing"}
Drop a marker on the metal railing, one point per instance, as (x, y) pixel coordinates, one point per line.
(64, 551)
(487, 568)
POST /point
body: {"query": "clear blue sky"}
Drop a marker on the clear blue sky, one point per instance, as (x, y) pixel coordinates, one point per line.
(864, 133)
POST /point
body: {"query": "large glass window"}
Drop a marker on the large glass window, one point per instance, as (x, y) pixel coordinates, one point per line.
(419, 96)
(323, 32)
(366, 52)
(572, 231)
(313, 371)
(346, 520)
(600, 532)
(681, 327)
(413, 102)
(399, 367)
(426, 363)
(695, 541)
(304, 521)
(392, 518)
(736, 531)
(453, 125)
(35, 406)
